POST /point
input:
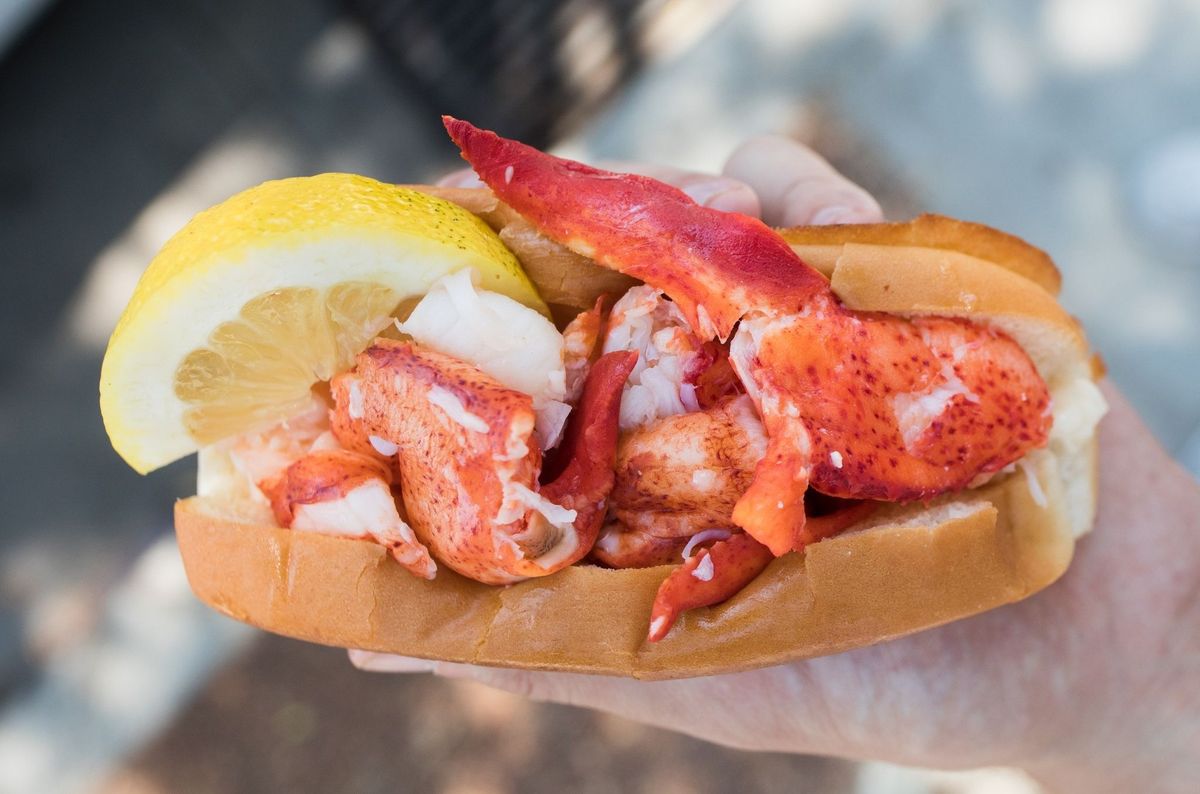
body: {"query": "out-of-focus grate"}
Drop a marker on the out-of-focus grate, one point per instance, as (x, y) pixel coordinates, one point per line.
(532, 69)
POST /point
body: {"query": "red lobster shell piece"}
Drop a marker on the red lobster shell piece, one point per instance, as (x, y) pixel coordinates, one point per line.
(858, 405)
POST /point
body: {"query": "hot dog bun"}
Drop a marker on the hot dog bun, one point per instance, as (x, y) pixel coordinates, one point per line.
(907, 568)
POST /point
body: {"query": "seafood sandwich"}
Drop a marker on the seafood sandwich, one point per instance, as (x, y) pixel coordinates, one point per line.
(575, 421)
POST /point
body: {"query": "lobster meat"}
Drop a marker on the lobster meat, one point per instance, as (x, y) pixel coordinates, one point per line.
(468, 463)
(855, 405)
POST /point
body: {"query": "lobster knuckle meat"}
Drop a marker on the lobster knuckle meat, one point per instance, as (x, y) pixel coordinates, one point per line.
(342, 492)
(684, 473)
(318, 477)
(469, 465)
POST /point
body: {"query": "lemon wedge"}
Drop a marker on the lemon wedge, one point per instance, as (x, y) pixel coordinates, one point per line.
(270, 292)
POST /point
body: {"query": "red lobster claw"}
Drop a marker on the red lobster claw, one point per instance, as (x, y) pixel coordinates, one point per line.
(715, 265)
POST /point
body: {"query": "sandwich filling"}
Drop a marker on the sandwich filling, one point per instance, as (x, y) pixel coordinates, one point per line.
(726, 411)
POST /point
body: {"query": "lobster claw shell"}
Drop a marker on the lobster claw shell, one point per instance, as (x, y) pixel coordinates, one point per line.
(715, 265)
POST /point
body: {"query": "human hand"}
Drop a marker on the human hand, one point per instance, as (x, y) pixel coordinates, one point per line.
(1092, 685)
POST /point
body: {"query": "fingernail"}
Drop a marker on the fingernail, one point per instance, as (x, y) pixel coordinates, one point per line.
(387, 663)
(731, 200)
(462, 178)
(454, 670)
(709, 192)
(827, 216)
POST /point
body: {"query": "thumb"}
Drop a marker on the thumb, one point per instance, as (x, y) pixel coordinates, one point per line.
(797, 186)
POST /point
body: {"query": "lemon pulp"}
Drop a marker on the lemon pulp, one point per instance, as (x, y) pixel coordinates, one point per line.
(262, 364)
(276, 289)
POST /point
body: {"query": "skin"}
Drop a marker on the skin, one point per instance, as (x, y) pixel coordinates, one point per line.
(1092, 685)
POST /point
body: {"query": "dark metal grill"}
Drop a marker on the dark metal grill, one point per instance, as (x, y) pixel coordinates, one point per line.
(532, 69)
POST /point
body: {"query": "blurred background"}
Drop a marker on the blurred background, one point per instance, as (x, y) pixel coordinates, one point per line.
(1073, 123)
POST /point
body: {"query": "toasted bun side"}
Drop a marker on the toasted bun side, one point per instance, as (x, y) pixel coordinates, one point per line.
(819, 245)
(912, 569)
(916, 280)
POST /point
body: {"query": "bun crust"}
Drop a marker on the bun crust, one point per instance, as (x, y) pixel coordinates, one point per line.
(935, 232)
(908, 568)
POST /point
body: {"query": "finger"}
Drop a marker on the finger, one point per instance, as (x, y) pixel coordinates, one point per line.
(797, 186)
(709, 190)
(462, 177)
(647, 702)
